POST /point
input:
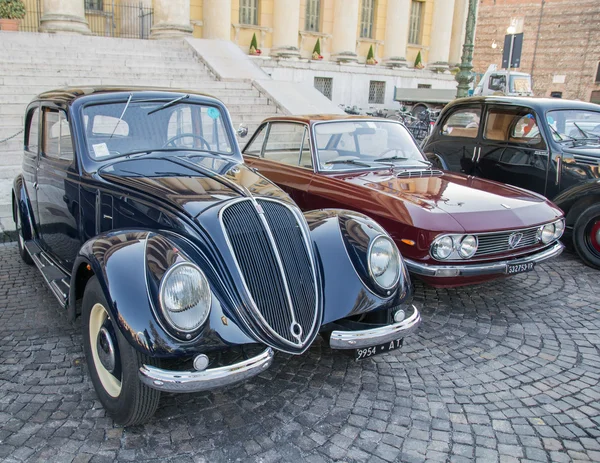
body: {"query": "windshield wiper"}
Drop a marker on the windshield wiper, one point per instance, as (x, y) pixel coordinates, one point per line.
(170, 103)
(560, 137)
(122, 114)
(401, 158)
(348, 161)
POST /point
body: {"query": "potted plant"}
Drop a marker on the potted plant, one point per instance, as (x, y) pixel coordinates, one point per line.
(371, 57)
(11, 12)
(419, 61)
(254, 50)
(316, 54)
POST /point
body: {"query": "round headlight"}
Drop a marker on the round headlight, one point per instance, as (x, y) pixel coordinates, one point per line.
(547, 234)
(185, 297)
(384, 262)
(467, 247)
(443, 247)
(559, 228)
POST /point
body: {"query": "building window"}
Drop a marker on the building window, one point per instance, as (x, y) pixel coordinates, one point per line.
(249, 12)
(95, 5)
(376, 92)
(324, 85)
(598, 74)
(416, 15)
(423, 85)
(366, 19)
(313, 15)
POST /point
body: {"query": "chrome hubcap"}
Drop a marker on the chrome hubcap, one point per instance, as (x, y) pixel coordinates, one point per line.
(106, 350)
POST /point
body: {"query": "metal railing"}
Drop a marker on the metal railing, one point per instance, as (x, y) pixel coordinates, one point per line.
(126, 20)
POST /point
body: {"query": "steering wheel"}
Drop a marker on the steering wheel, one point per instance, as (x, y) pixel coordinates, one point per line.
(185, 135)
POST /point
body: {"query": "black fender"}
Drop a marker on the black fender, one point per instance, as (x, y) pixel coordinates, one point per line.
(119, 260)
(20, 199)
(341, 239)
(573, 201)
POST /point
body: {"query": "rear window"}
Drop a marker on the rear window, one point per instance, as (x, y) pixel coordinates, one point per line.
(462, 123)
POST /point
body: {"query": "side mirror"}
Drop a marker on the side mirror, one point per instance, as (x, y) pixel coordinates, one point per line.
(242, 131)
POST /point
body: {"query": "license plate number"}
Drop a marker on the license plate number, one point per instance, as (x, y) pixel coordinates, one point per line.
(366, 352)
(511, 269)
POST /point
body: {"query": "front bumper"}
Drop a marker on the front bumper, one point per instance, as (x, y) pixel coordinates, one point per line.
(491, 268)
(194, 381)
(375, 336)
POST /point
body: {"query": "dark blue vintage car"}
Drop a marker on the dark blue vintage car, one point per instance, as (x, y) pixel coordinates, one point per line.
(187, 267)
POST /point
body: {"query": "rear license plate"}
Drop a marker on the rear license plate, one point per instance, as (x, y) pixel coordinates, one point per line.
(365, 352)
(511, 269)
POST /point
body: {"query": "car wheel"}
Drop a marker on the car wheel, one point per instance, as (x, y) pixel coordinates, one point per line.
(586, 236)
(114, 364)
(20, 240)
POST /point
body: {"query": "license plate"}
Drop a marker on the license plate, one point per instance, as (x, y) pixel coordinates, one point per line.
(365, 352)
(511, 269)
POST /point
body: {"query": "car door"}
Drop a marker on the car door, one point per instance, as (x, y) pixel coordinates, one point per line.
(30, 156)
(281, 152)
(58, 191)
(454, 146)
(512, 149)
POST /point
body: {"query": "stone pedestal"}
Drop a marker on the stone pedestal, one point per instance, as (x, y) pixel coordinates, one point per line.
(396, 33)
(64, 16)
(285, 28)
(217, 19)
(171, 19)
(441, 35)
(345, 27)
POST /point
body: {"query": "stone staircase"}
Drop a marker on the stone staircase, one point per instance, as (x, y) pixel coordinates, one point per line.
(31, 63)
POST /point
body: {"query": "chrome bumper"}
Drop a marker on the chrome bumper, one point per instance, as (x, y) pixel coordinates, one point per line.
(194, 381)
(375, 336)
(480, 269)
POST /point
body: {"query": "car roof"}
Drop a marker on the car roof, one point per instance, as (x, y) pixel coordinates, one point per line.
(540, 104)
(69, 94)
(312, 118)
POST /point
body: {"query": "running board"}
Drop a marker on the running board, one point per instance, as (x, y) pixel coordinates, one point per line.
(56, 279)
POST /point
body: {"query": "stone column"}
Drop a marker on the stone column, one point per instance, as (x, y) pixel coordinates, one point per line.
(217, 19)
(396, 32)
(171, 19)
(345, 27)
(441, 34)
(64, 16)
(285, 28)
(458, 31)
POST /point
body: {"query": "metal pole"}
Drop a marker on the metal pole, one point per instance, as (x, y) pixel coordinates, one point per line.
(464, 77)
(512, 42)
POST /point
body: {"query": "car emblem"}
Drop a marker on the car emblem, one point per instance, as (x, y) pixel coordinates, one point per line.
(505, 205)
(514, 240)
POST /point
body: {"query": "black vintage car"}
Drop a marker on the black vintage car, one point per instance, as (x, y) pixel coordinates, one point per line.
(547, 145)
(187, 267)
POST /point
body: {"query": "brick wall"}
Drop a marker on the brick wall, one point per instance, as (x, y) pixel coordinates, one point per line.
(560, 38)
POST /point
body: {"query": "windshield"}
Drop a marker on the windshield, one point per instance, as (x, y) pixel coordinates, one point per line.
(348, 145)
(574, 124)
(117, 129)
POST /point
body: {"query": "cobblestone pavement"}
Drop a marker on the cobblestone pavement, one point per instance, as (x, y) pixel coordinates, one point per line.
(507, 371)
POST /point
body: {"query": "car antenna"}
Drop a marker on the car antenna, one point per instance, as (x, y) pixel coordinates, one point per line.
(122, 114)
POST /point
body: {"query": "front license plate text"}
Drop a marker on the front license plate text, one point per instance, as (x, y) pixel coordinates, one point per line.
(511, 269)
(365, 352)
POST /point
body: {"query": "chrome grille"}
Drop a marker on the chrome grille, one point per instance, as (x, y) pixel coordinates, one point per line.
(275, 264)
(418, 173)
(494, 243)
(588, 160)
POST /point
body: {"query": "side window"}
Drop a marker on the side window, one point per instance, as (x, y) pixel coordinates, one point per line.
(33, 130)
(306, 158)
(526, 129)
(516, 125)
(284, 142)
(463, 122)
(57, 142)
(256, 145)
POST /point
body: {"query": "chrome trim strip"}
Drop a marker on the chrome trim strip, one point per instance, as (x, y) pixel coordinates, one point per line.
(481, 269)
(375, 336)
(194, 381)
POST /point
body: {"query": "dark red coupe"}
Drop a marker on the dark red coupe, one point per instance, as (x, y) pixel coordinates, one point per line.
(452, 229)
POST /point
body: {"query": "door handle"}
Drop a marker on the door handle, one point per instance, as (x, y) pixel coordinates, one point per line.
(558, 169)
(474, 154)
(36, 186)
(479, 155)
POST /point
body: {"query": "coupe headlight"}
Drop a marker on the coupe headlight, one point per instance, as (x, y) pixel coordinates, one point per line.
(384, 262)
(547, 233)
(559, 229)
(443, 247)
(467, 247)
(185, 297)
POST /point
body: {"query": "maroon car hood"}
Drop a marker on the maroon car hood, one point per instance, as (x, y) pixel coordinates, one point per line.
(477, 205)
